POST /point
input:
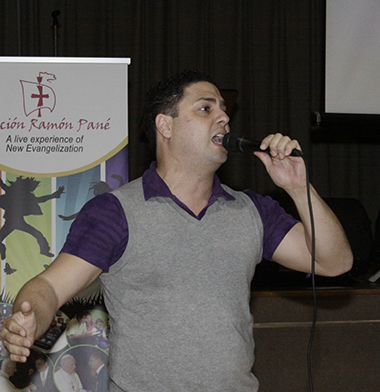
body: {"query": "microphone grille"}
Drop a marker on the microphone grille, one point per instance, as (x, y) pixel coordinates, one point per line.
(231, 141)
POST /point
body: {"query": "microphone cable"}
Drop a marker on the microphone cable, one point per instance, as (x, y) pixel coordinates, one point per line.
(237, 143)
(314, 318)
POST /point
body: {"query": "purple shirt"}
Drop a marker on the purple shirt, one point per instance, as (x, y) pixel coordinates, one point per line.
(99, 234)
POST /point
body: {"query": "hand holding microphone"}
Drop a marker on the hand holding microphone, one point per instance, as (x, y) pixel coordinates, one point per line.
(234, 142)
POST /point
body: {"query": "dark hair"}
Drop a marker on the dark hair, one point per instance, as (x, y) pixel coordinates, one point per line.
(165, 96)
(82, 313)
(41, 357)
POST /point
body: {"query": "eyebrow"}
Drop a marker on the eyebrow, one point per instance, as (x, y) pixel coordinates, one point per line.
(213, 100)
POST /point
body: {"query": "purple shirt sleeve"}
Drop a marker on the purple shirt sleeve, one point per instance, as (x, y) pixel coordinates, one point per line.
(99, 234)
(276, 222)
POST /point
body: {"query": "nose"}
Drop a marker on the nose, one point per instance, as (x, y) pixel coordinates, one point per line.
(223, 117)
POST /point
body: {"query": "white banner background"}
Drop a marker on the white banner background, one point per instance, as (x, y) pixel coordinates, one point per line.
(60, 116)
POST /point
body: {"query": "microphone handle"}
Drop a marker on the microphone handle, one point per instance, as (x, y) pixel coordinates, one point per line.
(245, 144)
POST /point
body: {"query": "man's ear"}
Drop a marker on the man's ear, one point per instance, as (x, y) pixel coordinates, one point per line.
(164, 125)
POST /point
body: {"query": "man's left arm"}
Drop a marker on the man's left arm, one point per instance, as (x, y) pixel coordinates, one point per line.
(333, 254)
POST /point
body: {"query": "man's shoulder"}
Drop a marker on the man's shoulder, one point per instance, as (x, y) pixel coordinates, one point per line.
(131, 185)
(129, 191)
(237, 194)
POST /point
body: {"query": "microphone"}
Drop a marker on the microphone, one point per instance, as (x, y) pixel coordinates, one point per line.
(234, 142)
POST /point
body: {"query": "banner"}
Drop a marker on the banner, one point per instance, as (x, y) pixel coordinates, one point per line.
(63, 140)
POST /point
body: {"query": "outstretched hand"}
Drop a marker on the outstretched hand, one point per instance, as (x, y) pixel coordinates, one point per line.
(18, 333)
(57, 194)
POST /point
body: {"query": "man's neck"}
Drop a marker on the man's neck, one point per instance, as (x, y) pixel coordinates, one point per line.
(191, 187)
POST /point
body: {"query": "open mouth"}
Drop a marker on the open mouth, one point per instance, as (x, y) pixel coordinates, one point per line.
(218, 139)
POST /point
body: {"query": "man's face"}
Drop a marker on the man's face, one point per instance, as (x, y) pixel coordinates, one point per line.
(41, 365)
(99, 325)
(198, 129)
(68, 365)
(93, 362)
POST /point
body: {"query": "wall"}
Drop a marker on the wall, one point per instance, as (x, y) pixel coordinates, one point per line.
(345, 354)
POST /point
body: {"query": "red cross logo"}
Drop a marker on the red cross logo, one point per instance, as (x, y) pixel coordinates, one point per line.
(40, 97)
(45, 97)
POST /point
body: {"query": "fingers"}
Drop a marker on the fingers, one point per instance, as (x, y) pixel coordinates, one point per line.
(14, 333)
(19, 358)
(280, 146)
(14, 340)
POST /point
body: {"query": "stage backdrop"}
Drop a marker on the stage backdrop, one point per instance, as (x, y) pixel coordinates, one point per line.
(63, 140)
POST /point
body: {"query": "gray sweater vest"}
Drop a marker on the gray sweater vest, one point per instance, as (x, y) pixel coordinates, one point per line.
(178, 298)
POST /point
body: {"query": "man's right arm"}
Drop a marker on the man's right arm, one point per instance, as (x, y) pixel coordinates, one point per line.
(40, 298)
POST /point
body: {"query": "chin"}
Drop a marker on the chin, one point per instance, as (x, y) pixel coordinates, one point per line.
(221, 159)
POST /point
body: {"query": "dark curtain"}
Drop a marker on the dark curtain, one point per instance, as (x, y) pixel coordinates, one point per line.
(271, 51)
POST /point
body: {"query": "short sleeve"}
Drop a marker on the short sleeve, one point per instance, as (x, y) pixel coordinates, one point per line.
(276, 222)
(99, 233)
